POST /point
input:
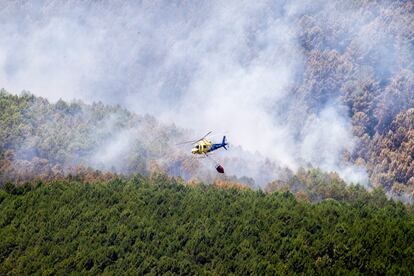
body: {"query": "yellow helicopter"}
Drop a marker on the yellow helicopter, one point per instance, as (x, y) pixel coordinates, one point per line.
(203, 146)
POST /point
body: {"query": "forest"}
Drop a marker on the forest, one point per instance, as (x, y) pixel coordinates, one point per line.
(158, 224)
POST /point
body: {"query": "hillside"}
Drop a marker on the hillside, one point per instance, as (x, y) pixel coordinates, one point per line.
(158, 225)
(360, 54)
(45, 140)
(39, 139)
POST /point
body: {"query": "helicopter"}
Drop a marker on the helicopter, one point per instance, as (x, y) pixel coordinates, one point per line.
(203, 146)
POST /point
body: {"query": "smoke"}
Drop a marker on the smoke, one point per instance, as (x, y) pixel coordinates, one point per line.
(326, 138)
(113, 152)
(203, 66)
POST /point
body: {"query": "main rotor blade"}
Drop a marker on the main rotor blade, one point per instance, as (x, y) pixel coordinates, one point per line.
(188, 142)
(205, 135)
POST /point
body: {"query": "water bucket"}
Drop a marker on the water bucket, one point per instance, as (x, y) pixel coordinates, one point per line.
(219, 168)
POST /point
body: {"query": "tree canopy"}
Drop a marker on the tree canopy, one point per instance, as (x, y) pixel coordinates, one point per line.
(158, 225)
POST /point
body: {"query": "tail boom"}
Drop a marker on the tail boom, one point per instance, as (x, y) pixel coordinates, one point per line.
(217, 146)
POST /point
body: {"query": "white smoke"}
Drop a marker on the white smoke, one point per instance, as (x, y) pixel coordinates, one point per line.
(326, 138)
(217, 65)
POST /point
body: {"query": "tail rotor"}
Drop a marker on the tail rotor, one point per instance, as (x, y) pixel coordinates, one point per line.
(224, 143)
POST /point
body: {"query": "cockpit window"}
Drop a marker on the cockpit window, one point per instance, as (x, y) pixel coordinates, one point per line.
(196, 146)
